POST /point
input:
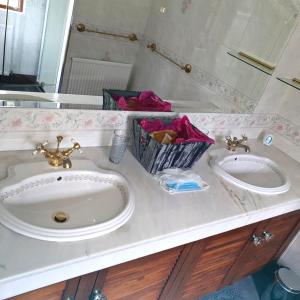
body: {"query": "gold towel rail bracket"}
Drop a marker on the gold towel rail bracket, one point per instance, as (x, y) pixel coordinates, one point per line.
(82, 28)
(187, 68)
(296, 80)
(293, 82)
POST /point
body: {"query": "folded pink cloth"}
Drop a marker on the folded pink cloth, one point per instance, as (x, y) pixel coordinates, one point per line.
(186, 132)
(146, 101)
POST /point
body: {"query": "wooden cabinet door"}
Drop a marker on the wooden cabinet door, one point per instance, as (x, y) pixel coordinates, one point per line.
(81, 288)
(139, 279)
(51, 292)
(203, 265)
(252, 258)
(142, 278)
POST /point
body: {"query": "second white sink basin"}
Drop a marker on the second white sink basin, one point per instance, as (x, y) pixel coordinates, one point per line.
(251, 172)
(64, 205)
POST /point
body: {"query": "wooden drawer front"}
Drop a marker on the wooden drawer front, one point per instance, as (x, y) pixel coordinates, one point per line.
(240, 234)
(52, 292)
(210, 270)
(142, 278)
(254, 257)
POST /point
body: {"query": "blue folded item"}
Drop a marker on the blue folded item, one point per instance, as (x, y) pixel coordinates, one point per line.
(177, 180)
(183, 186)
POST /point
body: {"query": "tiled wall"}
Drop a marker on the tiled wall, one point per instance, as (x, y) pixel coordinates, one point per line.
(201, 33)
(278, 96)
(285, 101)
(188, 31)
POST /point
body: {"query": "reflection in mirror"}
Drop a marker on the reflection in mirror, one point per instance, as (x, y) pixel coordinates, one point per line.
(44, 104)
(33, 35)
(202, 33)
(10, 99)
(100, 54)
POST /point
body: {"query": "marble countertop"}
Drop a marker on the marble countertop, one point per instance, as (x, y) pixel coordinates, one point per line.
(160, 221)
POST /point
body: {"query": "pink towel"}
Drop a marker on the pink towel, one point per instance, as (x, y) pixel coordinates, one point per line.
(146, 101)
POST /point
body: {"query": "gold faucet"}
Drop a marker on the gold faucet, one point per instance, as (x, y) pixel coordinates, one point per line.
(56, 157)
(233, 143)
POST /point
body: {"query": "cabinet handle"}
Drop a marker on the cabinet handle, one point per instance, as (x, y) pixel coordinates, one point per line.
(257, 240)
(97, 295)
(267, 236)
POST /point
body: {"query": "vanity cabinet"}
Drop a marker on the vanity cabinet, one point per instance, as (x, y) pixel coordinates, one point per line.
(215, 262)
(186, 272)
(254, 257)
(204, 264)
(142, 278)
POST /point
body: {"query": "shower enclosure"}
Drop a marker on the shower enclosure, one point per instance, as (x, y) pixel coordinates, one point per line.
(33, 39)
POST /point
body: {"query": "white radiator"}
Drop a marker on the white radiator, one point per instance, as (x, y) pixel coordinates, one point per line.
(90, 76)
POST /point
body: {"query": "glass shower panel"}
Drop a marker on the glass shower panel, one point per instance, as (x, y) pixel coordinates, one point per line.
(24, 34)
(2, 32)
(55, 41)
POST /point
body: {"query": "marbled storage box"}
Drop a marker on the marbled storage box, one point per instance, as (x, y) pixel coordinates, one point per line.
(108, 101)
(156, 157)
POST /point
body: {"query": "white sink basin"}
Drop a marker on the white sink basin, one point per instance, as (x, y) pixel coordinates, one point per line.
(51, 204)
(254, 173)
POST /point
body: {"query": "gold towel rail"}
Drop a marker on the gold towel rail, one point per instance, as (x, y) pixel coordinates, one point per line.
(132, 37)
(257, 60)
(187, 68)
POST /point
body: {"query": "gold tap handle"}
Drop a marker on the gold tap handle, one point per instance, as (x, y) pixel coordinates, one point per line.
(59, 139)
(244, 138)
(228, 140)
(69, 151)
(76, 146)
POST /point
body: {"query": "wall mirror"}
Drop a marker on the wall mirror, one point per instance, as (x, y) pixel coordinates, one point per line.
(203, 55)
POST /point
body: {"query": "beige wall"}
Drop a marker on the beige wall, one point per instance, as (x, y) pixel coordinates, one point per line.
(201, 33)
(285, 100)
(279, 97)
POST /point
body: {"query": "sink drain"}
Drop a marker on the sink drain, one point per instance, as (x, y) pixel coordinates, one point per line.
(60, 217)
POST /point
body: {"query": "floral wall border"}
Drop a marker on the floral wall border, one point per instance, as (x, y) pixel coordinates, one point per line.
(22, 119)
(28, 120)
(231, 121)
(287, 129)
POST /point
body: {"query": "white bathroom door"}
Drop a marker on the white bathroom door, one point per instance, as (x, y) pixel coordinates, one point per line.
(58, 19)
